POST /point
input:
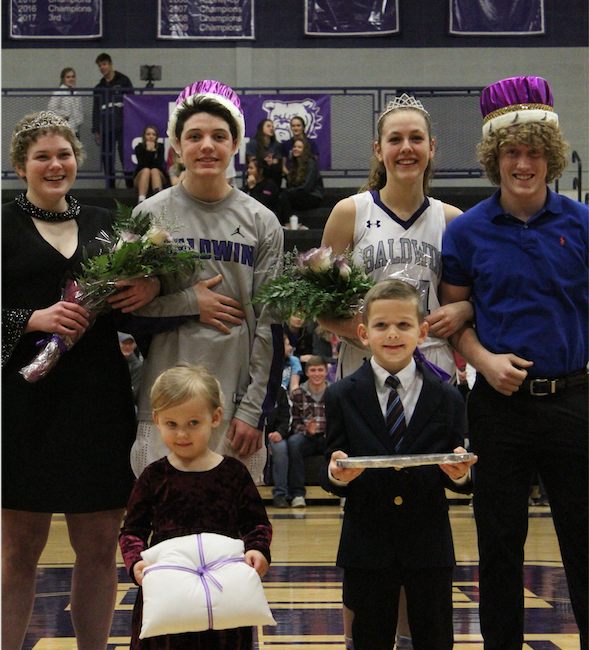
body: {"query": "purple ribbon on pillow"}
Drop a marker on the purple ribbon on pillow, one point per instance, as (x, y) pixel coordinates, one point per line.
(204, 572)
(436, 370)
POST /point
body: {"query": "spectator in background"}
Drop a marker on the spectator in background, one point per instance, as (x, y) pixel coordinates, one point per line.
(300, 335)
(134, 358)
(151, 168)
(304, 185)
(292, 371)
(308, 339)
(308, 426)
(260, 186)
(66, 103)
(278, 429)
(265, 145)
(107, 116)
(176, 168)
(323, 343)
(297, 128)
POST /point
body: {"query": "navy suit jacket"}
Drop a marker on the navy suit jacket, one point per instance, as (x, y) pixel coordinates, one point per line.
(394, 517)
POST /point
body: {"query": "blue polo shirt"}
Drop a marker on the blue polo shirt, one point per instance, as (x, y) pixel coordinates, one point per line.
(529, 280)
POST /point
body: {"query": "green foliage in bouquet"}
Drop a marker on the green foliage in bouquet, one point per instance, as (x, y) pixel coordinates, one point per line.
(316, 283)
(139, 246)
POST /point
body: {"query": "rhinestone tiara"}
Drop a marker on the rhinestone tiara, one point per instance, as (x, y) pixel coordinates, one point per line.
(404, 101)
(42, 120)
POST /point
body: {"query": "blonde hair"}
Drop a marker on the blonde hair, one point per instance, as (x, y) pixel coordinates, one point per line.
(393, 290)
(183, 382)
(377, 175)
(546, 137)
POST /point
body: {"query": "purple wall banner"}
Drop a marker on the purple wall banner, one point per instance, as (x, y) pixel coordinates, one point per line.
(142, 110)
(351, 17)
(56, 19)
(206, 19)
(497, 17)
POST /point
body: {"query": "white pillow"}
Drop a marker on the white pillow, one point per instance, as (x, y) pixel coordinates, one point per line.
(175, 597)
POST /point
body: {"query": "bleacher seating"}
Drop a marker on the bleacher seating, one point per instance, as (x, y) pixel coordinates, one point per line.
(314, 220)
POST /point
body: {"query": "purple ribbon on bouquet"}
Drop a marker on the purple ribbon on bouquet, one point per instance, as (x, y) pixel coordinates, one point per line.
(436, 370)
(204, 572)
(56, 338)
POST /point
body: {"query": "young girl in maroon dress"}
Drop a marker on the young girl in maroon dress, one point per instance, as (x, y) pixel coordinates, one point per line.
(193, 490)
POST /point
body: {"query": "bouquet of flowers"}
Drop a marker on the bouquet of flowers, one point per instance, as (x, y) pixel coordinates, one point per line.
(139, 246)
(316, 283)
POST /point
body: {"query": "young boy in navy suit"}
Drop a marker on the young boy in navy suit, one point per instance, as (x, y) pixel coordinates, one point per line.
(396, 529)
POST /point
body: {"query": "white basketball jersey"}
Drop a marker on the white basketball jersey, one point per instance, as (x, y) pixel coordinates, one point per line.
(387, 247)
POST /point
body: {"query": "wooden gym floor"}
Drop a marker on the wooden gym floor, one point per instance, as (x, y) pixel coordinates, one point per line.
(303, 586)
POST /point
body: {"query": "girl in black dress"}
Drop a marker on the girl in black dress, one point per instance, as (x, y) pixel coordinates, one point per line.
(151, 168)
(66, 438)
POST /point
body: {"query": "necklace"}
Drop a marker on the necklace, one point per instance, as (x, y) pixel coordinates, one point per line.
(44, 215)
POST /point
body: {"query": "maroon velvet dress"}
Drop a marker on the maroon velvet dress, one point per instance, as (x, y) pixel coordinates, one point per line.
(171, 503)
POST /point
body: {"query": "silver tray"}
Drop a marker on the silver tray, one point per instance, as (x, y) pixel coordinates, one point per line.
(412, 460)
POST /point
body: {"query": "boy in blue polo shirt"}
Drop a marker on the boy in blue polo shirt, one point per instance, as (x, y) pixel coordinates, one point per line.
(522, 257)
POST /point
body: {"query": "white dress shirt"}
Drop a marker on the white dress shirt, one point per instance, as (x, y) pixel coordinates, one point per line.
(409, 389)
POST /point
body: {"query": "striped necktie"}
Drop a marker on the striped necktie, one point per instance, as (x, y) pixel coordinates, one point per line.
(395, 414)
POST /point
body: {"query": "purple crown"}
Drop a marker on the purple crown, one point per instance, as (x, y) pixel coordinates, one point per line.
(514, 91)
(517, 100)
(221, 93)
(210, 86)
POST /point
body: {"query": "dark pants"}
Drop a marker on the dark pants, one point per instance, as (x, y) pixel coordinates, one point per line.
(110, 142)
(298, 199)
(299, 447)
(373, 596)
(513, 437)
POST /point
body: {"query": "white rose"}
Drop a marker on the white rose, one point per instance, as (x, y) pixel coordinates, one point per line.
(157, 236)
(318, 260)
(343, 267)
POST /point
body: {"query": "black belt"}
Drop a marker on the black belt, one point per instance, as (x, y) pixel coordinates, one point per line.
(543, 387)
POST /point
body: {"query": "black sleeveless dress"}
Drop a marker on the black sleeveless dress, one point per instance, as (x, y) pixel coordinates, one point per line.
(65, 439)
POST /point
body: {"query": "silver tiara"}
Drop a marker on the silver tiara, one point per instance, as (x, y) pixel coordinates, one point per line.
(404, 101)
(42, 120)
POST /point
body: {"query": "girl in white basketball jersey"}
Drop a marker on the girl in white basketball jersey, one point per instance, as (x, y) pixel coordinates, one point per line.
(393, 225)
